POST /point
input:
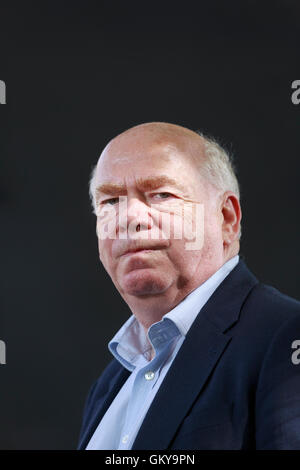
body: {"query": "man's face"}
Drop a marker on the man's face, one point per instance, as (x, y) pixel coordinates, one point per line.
(163, 186)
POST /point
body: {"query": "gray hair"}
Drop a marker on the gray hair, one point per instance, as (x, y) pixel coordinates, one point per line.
(92, 188)
(218, 167)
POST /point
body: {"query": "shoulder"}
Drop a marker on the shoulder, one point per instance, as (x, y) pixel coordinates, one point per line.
(268, 324)
(278, 387)
(272, 306)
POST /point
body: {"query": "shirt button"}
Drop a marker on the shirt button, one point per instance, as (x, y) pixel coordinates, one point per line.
(125, 439)
(149, 375)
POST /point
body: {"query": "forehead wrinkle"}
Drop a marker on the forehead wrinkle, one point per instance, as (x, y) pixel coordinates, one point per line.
(144, 184)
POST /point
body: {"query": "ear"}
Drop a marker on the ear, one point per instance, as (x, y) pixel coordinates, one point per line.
(232, 214)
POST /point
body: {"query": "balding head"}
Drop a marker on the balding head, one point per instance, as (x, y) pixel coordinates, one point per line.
(209, 158)
(161, 131)
(191, 144)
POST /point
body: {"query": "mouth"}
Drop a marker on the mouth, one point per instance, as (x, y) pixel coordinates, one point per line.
(140, 250)
(135, 247)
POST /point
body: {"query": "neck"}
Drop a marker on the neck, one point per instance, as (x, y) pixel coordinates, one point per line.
(150, 309)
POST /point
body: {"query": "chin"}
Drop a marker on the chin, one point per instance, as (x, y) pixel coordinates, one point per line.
(144, 282)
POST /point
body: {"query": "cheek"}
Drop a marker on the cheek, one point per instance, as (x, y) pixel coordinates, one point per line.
(106, 224)
(188, 223)
(170, 216)
(104, 248)
(177, 259)
(213, 226)
(213, 240)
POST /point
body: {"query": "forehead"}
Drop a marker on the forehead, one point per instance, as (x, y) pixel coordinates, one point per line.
(134, 157)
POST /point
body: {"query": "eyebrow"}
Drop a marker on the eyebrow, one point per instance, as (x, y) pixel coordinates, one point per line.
(145, 184)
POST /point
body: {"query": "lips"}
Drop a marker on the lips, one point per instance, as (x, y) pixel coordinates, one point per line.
(130, 252)
(122, 247)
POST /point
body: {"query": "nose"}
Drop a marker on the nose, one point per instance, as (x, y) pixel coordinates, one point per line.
(136, 217)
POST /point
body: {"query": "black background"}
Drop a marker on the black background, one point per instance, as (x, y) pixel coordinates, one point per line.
(77, 74)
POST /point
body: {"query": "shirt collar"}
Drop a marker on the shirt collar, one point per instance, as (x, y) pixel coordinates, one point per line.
(131, 341)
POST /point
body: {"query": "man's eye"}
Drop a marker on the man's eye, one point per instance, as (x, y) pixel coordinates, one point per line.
(111, 201)
(163, 195)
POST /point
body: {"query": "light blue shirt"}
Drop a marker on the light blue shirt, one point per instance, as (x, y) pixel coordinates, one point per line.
(131, 347)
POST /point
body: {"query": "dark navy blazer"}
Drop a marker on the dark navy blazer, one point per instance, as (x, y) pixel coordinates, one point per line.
(232, 385)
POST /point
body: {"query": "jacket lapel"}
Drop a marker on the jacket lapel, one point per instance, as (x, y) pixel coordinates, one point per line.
(202, 348)
(102, 405)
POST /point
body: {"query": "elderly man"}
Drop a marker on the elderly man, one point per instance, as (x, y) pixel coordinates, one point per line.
(208, 359)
